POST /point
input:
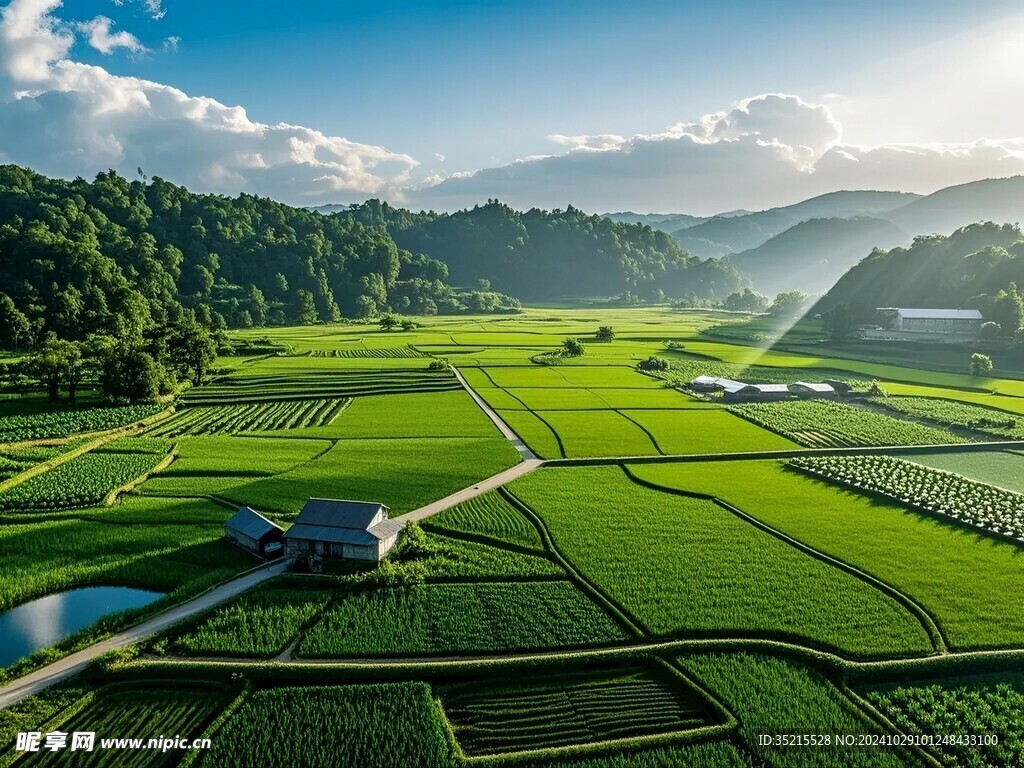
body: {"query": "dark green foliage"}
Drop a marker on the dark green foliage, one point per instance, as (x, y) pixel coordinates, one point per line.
(748, 301)
(64, 422)
(572, 348)
(653, 363)
(980, 365)
(550, 253)
(605, 333)
(978, 260)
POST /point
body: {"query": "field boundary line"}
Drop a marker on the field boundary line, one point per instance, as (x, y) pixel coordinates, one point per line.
(111, 498)
(924, 618)
(620, 614)
(525, 453)
(654, 440)
(869, 710)
(74, 453)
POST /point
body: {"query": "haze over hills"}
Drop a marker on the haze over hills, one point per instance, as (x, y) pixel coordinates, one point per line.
(723, 235)
(666, 222)
(815, 253)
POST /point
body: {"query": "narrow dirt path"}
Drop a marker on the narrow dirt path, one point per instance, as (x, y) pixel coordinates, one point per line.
(505, 429)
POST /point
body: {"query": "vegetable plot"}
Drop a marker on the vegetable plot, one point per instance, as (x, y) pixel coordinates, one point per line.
(942, 493)
(256, 417)
(64, 423)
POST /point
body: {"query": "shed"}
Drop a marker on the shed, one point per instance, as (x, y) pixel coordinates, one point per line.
(355, 530)
(809, 389)
(756, 392)
(254, 533)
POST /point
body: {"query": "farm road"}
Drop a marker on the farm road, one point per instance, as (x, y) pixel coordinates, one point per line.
(505, 429)
(71, 665)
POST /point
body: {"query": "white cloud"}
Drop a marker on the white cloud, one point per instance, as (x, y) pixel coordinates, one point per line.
(769, 150)
(106, 42)
(67, 118)
(154, 8)
(172, 44)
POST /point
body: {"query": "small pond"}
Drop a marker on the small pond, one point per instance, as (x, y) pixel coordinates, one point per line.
(48, 620)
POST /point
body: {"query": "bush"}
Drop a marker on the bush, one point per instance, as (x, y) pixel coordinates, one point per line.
(605, 333)
(573, 348)
(653, 363)
(981, 365)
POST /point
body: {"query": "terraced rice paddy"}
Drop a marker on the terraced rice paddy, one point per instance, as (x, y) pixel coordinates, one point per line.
(460, 618)
(824, 424)
(403, 353)
(686, 567)
(546, 711)
(136, 711)
(255, 417)
(319, 385)
(970, 584)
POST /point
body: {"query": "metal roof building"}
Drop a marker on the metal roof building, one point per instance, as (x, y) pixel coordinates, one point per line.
(251, 531)
(358, 530)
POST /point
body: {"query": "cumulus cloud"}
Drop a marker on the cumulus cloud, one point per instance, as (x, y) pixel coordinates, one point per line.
(768, 150)
(67, 118)
(103, 40)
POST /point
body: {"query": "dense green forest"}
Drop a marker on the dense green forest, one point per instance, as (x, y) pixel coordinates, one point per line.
(116, 256)
(978, 266)
(551, 254)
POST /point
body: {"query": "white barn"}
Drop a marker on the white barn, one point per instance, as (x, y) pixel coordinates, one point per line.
(354, 530)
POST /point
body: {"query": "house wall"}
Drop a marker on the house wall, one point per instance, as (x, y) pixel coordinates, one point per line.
(243, 541)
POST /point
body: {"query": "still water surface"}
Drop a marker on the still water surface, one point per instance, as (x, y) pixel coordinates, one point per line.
(48, 620)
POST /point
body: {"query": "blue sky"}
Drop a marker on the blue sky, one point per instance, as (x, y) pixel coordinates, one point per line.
(483, 84)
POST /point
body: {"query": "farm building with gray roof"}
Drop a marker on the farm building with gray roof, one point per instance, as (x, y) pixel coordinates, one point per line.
(254, 533)
(355, 530)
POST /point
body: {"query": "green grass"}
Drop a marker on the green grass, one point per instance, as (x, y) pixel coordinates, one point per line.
(706, 431)
(777, 696)
(534, 432)
(221, 455)
(156, 544)
(82, 481)
(545, 711)
(1003, 469)
(432, 414)
(363, 726)
(969, 582)
(598, 433)
(490, 516)
(259, 624)
(980, 708)
(688, 567)
(460, 618)
(137, 711)
(711, 754)
(403, 474)
(825, 424)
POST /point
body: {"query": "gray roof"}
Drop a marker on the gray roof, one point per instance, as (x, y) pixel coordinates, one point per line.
(769, 388)
(940, 314)
(339, 535)
(814, 387)
(340, 513)
(251, 523)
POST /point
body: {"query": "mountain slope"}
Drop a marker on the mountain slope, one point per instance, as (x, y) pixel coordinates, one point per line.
(724, 235)
(666, 222)
(934, 271)
(999, 200)
(814, 254)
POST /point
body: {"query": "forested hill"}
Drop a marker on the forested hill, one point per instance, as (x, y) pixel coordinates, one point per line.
(965, 269)
(549, 254)
(116, 256)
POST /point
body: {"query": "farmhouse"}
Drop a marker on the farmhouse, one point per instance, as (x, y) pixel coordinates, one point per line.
(355, 530)
(739, 391)
(904, 324)
(251, 531)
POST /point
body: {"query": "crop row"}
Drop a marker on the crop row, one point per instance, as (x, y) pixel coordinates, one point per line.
(371, 726)
(984, 710)
(63, 423)
(820, 423)
(943, 493)
(457, 618)
(977, 417)
(553, 711)
(252, 389)
(254, 417)
(80, 482)
(135, 712)
(491, 516)
(394, 353)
